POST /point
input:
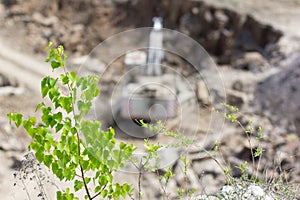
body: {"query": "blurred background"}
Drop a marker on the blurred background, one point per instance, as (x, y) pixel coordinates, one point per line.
(255, 44)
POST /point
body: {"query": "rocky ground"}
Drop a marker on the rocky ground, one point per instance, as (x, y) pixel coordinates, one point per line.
(255, 44)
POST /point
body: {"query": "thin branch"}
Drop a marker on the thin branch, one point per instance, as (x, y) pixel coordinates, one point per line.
(27, 193)
(139, 184)
(78, 175)
(40, 184)
(163, 186)
(96, 195)
(140, 168)
(99, 192)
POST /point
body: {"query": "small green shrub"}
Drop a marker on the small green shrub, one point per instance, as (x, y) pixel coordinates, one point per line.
(69, 145)
(278, 188)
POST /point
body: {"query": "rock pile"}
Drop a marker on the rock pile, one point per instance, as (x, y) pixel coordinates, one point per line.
(224, 33)
(54, 21)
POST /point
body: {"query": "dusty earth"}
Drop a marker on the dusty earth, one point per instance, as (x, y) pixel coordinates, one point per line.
(255, 43)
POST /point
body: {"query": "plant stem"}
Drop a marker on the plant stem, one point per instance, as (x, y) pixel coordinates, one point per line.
(163, 186)
(27, 193)
(84, 182)
(139, 184)
(140, 167)
(40, 185)
(99, 192)
(78, 143)
(250, 145)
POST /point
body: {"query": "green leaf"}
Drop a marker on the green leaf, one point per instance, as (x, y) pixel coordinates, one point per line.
(73, 130)
(54, 167)
(111, 164)
(122, 145)
(44, 86)
(49, 45)
(64, 79)
(48, 160)
(72, 76)
(59, 195)
(40, 155)
(46, 116)
(67, 124)
(16, 118)
(102, 180)
(126, 188)
(96, 92)
(34, 146)
(87, 180)
(55, 65)
(58, 116)
(65, 58)
(66, 195)
(83, 107)
(39, 106)
(74, 93)
(66, 104)
(48, 146)
(58, 127)
(9, 116)
(54, 93)
(85, 164)
(97, 189)
(69, 174)
(57, 171)
(52, 82)
(60, 50)
(27, 124)
(105, 154)
(104, 193)
(258, 152)
(260, 133)
(78, 185)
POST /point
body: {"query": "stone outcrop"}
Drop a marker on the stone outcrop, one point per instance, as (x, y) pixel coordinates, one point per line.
(278, 96)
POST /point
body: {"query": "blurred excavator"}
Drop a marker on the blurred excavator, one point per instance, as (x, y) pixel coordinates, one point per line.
(150, 92)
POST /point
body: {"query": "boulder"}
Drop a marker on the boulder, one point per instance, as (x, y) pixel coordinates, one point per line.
(221, 19)
(210, 172)
(7, 81)
(263, 34)
(44, 21)
(238, 85)
(190, 23)
(278, 95)
(235, 98)
(202, 93)
(4, 81)
(9, 3)
(252, 61)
